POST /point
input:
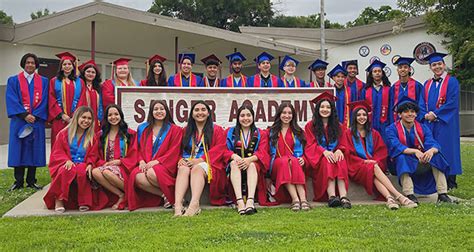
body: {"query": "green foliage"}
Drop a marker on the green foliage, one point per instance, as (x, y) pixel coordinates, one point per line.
(40, 13)
(5, 19)
(370, 15)
(311, 21)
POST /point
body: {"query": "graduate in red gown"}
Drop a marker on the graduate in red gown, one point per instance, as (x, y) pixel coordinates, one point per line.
(90, 74)
(185, 77)
(115, 151)
(287, 143)
(288, 65)
(263, 78)
(236, 78)
(120, 77)
(318, 68)
(152, 183)
(213, 65)
(156, 74)
(203, 147)
(66, 94)
(70, 164)
(367, 155)
(247, 156)
(325, 153)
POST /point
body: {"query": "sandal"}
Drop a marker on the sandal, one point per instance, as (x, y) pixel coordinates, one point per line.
(295, 206)
(60, 209)
(179, 212)
(305, 206)
(250, 210)
(392, 203)
(334, 201)
(83, 208)
(192, 212)
(166, 203)
(406, 202)
(346, 203)
(241, 211)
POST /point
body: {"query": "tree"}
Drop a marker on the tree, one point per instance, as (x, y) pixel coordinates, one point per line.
(454, 20)
(5, 19)
(370, 15)
(40, 13)
(311, 21)
(223, 14)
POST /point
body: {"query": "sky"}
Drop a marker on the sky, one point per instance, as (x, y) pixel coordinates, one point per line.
(21, 9)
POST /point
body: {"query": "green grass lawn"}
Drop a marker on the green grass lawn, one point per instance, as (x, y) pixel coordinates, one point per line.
(429, 227)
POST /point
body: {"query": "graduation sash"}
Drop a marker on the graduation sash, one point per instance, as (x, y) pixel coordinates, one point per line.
(442, 91)
(419, 135)
(385, 101)
(60, 89)
(296, 82)
(160, 138)
(347, 100)
(411, 85)
(25, 91)
(359, 85)
(365, 151)
(243, 146)
(78, 152)
(316, 84)
(99, 102)
(178, 80)
(297, 150)
(198, 149)
(257, 81)
(208, 84)
(230, 81)
(123, 146)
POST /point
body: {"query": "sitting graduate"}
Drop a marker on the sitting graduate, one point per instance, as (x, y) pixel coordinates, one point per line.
(420, 165)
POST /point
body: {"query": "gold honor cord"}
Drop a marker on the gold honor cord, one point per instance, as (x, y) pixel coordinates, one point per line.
(206, 155)
(286, 145)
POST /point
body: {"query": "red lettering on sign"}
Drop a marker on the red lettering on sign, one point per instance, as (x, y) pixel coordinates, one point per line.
(181, 117)
(140, 117)
(272, 108)
(260, 112)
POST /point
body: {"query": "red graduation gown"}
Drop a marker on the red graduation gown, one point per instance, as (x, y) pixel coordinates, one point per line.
(102, 197)
(363, 173)
(54, 109)
(62, 186)
(320, 169)
(108, 91)
(94, 103)
(168, 155)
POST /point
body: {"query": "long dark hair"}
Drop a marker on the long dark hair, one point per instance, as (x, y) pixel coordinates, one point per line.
(237, 124)
(367, 125)
(334, 131)
(370, 80)
(60, 75)
(123, 126)
(191, 128)
(295, 128)
(150, 79)
(96, 81)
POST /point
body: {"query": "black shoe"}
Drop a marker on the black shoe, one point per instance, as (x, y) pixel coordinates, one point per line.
(346, 203)
(14, 187)
(444, 198)
(35, 186)
(334, 201)
(413, 198)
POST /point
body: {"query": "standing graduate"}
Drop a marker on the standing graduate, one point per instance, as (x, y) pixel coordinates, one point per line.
(203, 147)
(70, 164)
(405, 85)
(156, 74)
(115, 151)
(367, 156)
(344, 93)
(421, 166)
(212, 64)
(288, 65)
(287, 142)
(235, 78)
(66, 93)
(152, 183)
(185, 76)
(318, 68)
(26, 99)
(441, 113)
(263, 78)
(325, 152)
(352, 68)
(377, 94)
(247, 155)
(90, 74)
(122, 76)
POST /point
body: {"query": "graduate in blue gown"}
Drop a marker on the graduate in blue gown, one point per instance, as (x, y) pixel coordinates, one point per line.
(404, 86)
(27, 107)
(356, 85)
(185, 76)
(441, 104)
(419, 160)
(289, 80)
(344, 94)
(236, 78)
(318, 68)
(263, 78)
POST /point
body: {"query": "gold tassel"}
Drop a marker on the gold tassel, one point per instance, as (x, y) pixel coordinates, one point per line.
(112, 71)
(147, 67)
(77, 67)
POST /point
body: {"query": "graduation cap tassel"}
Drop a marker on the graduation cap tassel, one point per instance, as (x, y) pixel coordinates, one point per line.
(147, 66)
(77, 67)
(112, 71)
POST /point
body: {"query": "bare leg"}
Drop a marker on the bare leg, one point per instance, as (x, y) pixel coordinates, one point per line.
(100, 178)
(198, 181)
(381, 188)
(341, 186)
(236, 179)
(113, 179)
(380, 176)
(151, 177)
(331, 190)
(301, 192)
(292, 191)
(182, 184)
(252, 179)
(143, 183)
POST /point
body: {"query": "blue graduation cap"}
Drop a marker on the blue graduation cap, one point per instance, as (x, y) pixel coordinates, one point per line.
(264, 56)
(346, 63)
(190, 56)
(286, 59)
(404, 61)
(318, 64)
(337, 69)
(405, 100)
(435, 57)
(25, 131)
(376, 63)
(237, 56)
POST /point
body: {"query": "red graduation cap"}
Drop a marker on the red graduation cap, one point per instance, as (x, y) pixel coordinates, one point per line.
(324, 96)
(66, 56)
(360, 104)
(156, 57)
(211, 60)
(121, 61)
(87, 63)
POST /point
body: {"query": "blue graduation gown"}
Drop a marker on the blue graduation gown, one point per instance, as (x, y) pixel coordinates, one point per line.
(353, 85)
(31, 150)
(291, 84)
(263, 83)
(340, 104)
(377, 112)
(447, 121)
(423, 183)
(199, 82)
(402, 92)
